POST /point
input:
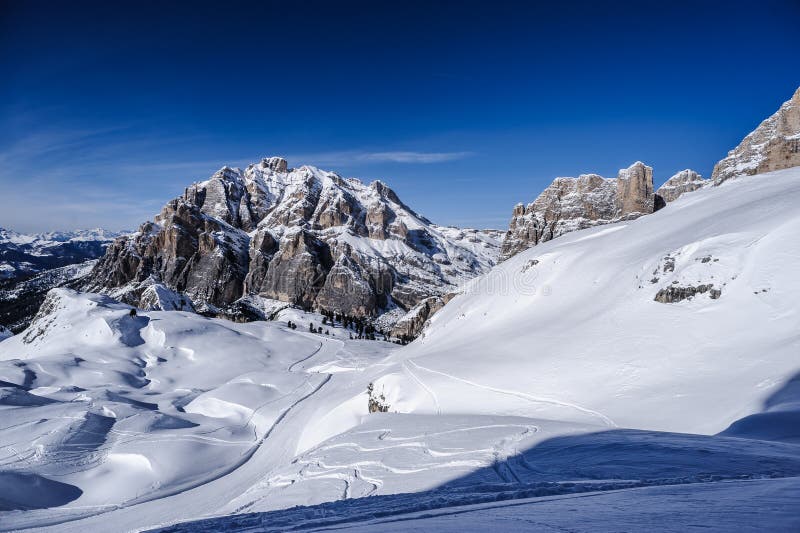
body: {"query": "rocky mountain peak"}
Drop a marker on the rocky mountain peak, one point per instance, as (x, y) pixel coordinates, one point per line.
(569, 204)
(773, 145)
(384, 191)
(681, 182)
(302, 235)
(276, 164)
(635, 193)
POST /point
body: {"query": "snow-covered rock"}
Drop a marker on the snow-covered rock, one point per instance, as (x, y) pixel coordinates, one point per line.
(681, 183)
(773, 145)
(570, 204)
(304, 236)
(157, 297)
(412, 323)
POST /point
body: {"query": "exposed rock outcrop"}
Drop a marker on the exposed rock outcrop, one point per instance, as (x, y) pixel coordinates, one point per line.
(303, 236)
(570, 204)
(157, 297)
(675, 293)
(186, 249)
(773, 145)
(681, 183)
(413, 322)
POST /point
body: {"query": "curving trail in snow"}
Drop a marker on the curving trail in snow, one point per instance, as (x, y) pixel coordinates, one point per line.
(421, 383)
(534, 399)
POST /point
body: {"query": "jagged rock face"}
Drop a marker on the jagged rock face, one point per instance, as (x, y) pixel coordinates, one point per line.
(412, 323)
(304, 236)
(185, 248)
(773, 145)
(673, 293)
(682, 182)
(570, 204)
(297, 271)
(634, 190)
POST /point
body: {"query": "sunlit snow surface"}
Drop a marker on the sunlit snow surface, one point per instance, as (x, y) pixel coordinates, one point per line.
(508, 414)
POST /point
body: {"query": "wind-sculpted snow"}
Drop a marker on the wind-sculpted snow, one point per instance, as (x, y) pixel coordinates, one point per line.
(465, 462)
(121, 409)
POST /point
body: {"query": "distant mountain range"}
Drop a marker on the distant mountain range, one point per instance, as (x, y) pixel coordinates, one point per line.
(24, 255)
(32, 264)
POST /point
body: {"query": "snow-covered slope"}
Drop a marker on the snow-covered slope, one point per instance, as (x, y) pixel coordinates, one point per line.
(570, 329)
(103, 408)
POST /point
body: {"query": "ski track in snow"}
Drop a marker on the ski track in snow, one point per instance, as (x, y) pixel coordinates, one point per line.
(607, 421)
(421, 384)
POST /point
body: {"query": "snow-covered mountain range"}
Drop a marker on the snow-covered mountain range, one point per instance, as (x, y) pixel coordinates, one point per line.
(300, 235)
(570, 204)
(558, 373)
(642, 366)
(24, 255)
(32, 264)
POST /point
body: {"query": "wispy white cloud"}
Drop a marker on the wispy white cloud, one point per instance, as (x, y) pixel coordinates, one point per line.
(357, 157)
(413, 157)
(63, 178)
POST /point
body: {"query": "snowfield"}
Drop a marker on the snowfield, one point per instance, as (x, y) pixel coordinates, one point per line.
(645, 374)
(569, 330)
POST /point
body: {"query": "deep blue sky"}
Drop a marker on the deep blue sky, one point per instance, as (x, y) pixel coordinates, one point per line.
(109, 109)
